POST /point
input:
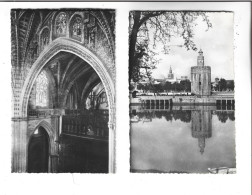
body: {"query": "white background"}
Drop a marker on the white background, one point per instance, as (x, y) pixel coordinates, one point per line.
(123, 182)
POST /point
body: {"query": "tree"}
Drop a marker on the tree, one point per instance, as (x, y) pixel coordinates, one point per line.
(230, 85)
(147, 28)
(158, 88)
(186, 85)
(222, 84)
(167, 86)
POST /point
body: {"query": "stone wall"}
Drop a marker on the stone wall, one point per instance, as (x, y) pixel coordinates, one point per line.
(201, 80)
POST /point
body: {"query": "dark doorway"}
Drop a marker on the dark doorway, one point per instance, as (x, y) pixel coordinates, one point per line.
(38, 152)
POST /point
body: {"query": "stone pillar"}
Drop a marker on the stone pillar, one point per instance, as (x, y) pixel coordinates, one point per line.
(54, 145)
(53, 163)
(60, 125)
(111, 148)
(19, 145)
(54, 153)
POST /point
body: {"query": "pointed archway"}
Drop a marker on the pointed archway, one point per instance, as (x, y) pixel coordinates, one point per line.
(38, 151)
(67, 45)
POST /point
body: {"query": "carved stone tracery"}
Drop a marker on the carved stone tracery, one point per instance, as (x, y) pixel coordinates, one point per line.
(53, 34)
(61, 24)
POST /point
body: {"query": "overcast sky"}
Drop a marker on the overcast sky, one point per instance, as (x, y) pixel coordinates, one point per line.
(216, 44)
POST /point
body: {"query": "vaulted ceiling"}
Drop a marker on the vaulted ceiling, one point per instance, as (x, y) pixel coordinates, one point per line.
(69, 70)
(25, 24)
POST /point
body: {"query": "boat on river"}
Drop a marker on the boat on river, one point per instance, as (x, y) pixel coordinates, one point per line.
(134, 119)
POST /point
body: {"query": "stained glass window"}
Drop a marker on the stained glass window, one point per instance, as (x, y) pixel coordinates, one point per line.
(42, 90)
(77, 25)
(44, 38)
(61, 24)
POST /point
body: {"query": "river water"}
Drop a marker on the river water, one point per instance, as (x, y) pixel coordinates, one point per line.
(182, 139)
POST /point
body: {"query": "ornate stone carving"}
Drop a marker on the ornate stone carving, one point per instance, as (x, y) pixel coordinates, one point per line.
(61, 24)
(55, 28)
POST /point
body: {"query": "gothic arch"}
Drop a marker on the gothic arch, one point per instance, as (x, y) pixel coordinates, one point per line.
(49, 130)
(67, 45)
(51, 140)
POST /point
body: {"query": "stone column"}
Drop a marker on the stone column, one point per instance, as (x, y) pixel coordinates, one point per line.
(54, 144)
(19, 145)
(60, 125)
(54, 156)
(111, 163)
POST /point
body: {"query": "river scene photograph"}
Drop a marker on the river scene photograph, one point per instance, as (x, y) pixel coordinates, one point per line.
(182, 92)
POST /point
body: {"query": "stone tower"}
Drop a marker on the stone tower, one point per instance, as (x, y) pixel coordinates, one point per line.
(170, 74)
(201, 77)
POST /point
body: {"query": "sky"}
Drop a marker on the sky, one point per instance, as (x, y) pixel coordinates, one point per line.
(216, 44)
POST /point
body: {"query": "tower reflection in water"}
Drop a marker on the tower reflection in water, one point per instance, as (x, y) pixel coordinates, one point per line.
(201, 126)
(200, 136)
(199, 116)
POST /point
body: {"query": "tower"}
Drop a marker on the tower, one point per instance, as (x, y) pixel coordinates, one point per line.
(201, 77)
(200, 59)
(170, 74)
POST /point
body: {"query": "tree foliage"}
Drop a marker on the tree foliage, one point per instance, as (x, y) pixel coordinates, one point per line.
(183, 86)
(223, 85)
(148, 28)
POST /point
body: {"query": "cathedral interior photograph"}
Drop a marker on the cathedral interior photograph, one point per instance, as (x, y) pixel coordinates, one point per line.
(63, 90)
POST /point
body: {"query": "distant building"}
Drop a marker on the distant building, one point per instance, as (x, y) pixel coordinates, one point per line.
(182, 78)
(157, 81)
(170, 76)
(201, 77)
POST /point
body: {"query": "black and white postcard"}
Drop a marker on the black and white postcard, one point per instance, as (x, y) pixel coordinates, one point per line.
(63, 78)
(182, 105)
(125, 98)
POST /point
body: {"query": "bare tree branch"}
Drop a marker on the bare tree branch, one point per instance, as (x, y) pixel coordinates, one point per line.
(164, 26)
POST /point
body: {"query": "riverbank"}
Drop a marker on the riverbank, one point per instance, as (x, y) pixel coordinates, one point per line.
(183, 100)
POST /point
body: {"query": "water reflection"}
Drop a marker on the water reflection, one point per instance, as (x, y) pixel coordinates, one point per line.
(166, 128)
(183, 114)
(201, 126)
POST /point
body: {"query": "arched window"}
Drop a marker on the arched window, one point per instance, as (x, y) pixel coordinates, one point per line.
(44, 38)
(61, 24)
(97, 98)
(76, 27)
(42, 99)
